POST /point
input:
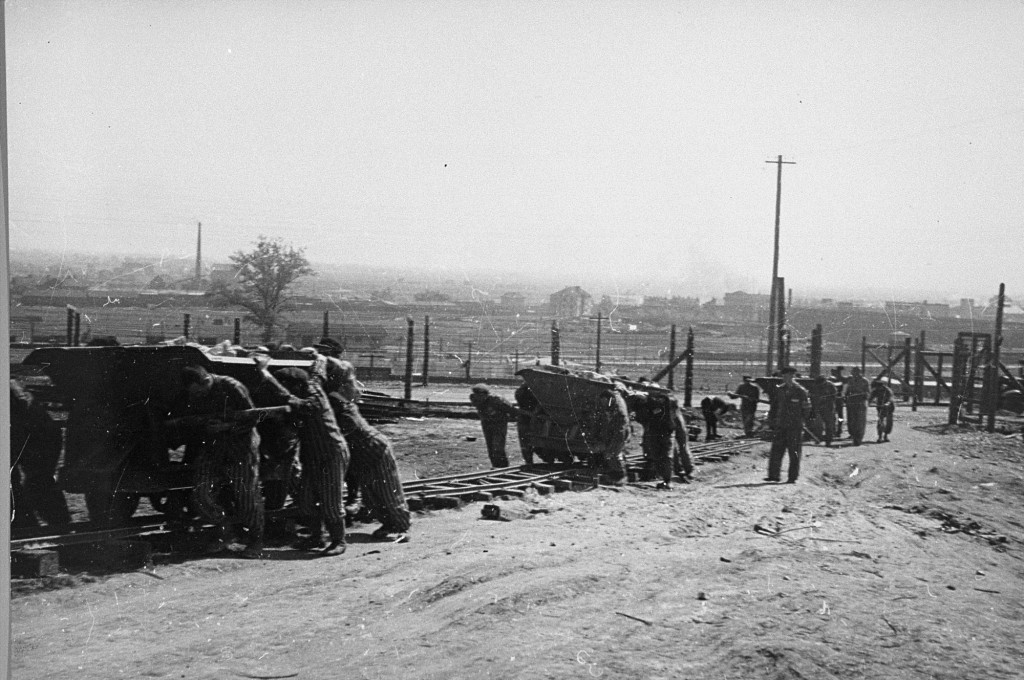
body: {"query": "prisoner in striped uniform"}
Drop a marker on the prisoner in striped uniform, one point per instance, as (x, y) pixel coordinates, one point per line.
(376, 470)
(324, 457)
(224, 450)
(279, 445)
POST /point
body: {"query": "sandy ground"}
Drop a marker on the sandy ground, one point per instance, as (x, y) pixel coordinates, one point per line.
(896, 560)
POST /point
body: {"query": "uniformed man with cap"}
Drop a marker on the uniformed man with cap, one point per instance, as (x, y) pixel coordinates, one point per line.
(882, 397)
(823, 406)
(789, 407)
(494, 414)
(749, 395)
(855, 393)
(840, 380)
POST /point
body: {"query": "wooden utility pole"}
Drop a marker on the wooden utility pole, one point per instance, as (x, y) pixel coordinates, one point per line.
(772, 330)
(993, 376)
(426, 350)
(780, 319)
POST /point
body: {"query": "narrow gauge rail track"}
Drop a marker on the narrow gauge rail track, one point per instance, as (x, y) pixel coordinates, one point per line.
(705, 451)
(446, 491)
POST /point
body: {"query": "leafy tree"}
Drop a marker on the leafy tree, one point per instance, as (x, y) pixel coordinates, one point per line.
(261, 285)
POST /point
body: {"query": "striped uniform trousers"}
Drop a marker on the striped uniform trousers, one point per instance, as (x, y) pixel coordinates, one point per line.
(228, 456)
(377, 471)
(236, 461)
(325, 458)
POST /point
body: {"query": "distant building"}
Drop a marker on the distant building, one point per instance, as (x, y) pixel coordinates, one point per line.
(626, 299)
(513, 302)
(742, 306)
(746, 300)
(571, 302)
(432, 296)
(223, 273)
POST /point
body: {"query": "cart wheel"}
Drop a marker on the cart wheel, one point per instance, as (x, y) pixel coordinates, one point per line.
(110, 509)
(547, 455)
(174, 504)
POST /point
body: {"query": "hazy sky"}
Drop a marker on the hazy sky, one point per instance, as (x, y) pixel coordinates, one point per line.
(574, 137)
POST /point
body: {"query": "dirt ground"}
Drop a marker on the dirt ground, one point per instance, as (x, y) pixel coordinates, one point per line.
(894, 560)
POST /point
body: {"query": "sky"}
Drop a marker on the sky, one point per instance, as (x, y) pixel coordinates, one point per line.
(629, 141)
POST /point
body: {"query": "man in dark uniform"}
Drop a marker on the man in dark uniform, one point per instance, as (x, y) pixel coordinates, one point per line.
(36, 441)
(840, 380)
(528, 405)
(711, 408)
(494, 414)
(823, 409)
(855, 393)
(789, 407)
(882, 397)
(665, 441)
(223, 450)
(749, 395)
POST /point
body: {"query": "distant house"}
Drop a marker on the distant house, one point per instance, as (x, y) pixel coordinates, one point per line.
(746, 300)
(571, 302)
(743, 306)
(513, 302)
(432, 296)
(223, 273)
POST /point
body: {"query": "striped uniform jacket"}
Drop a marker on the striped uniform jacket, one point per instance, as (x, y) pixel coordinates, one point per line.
(373, 461)
(324, 457)
(279, 437)
(231, 455)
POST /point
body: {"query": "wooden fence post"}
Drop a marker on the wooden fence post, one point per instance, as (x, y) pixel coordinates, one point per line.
(688, 383)
(816, 351)
(556, 343)
(906, 369)
(408, 358)
(426, 350)
(993, 376)
(671, 356)
(71, 326)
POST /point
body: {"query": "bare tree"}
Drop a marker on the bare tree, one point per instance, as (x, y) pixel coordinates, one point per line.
(261, 285)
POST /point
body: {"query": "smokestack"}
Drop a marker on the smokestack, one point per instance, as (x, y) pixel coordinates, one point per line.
(199, 254)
